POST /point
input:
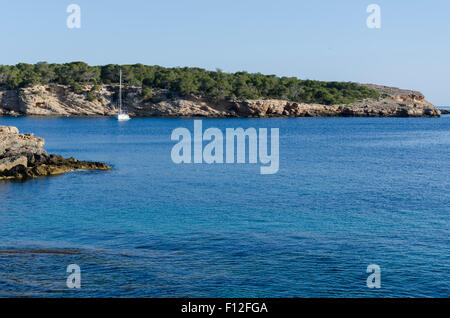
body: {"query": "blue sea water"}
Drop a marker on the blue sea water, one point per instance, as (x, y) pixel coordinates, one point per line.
(350, 192)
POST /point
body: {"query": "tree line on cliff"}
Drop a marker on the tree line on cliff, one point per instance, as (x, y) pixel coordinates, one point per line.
(185, 81)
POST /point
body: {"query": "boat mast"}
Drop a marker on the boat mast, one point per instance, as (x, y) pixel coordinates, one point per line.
(120, 92)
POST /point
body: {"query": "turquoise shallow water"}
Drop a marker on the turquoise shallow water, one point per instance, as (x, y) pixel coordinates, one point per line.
(350, 192)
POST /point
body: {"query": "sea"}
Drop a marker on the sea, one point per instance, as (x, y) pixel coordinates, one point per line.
(349, 193)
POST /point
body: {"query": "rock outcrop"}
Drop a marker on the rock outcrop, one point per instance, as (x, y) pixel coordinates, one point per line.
(59, 100)
(22, 156)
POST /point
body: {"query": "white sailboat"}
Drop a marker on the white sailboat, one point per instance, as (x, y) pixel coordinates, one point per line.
(123, 114)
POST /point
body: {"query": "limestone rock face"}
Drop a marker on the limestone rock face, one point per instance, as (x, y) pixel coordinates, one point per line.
(13, 144)
(23, 157)
(8, 130)
(61, 101)
(10, 162)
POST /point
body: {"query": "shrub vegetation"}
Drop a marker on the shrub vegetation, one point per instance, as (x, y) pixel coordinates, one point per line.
(185, 81)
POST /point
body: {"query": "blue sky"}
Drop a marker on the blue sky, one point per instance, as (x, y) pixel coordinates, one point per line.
(321, 39)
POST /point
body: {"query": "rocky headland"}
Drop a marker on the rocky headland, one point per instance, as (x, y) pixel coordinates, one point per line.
(22, 156)
(60, 101)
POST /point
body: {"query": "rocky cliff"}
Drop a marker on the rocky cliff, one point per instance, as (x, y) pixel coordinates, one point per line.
(22, 156)
(59, 100)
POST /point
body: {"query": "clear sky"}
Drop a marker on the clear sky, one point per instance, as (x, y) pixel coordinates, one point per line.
(320, 39)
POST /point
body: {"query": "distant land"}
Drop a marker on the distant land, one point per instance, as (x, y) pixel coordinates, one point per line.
(77, 89)
(445, 110)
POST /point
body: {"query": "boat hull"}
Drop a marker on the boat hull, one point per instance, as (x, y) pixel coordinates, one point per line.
(123, 117)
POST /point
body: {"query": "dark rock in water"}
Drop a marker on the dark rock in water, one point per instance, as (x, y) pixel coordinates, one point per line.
(445, 111)
(23, 157)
